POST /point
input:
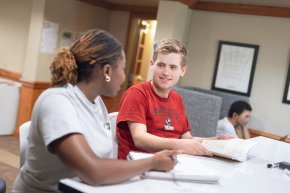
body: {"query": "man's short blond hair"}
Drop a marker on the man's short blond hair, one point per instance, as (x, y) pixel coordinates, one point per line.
(167, 46)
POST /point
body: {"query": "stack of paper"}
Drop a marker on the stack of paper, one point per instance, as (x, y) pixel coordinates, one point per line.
(187, 169)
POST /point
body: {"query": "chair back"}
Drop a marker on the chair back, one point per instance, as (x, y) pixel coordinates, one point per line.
(23, 141)
(2, 186)
(202, 111)
(227, 99)
(113, 119)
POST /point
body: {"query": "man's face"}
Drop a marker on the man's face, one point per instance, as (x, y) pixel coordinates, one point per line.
(167, 70)
(243, 118)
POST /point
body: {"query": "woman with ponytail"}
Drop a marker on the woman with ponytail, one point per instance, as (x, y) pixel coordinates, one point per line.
(69, 134)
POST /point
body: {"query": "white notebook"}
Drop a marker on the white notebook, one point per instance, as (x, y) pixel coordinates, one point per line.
(188, 169)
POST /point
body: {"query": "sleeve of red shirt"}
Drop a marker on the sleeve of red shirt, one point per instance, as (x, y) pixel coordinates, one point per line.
(133, 107)
(187, 127)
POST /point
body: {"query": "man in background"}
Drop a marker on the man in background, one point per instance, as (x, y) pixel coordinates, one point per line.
(235, 124)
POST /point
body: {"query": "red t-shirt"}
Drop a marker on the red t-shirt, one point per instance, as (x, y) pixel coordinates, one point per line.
(164, 117)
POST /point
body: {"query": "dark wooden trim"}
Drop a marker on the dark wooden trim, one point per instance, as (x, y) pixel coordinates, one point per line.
(123, 7)
(135, 8)
(206, 6)
(10, 75)
(14, 76)
(256, 133)
(99, 3)
(188, 2)
(243, 9)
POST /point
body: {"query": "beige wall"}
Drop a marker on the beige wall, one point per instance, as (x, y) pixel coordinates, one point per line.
(14, 27)
(271, 34)
(80, 17)
(30, 64)
(118, 25)
(21, 25)
(77, 17)
(172, 20)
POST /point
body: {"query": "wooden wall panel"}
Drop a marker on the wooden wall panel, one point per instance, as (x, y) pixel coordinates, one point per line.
(242, 9)
(113, 103)
(123, 7)
(256, 133)
(10, 75)
(29, 93)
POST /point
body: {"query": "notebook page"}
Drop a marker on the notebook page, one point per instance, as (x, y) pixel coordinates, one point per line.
(187, 169)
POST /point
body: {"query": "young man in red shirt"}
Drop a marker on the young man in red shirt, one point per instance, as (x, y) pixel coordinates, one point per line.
(151, 116)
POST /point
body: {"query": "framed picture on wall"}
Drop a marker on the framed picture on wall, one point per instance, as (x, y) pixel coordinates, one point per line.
(286, 96)
(235, 67)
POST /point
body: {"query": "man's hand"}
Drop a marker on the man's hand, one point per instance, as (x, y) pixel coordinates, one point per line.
(193, 147)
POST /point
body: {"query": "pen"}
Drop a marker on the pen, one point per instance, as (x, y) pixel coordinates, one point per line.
(284, 165)
(274, 165)
(174, 158)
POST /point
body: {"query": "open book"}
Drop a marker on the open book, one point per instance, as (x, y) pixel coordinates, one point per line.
(188, 169)
(236, 149)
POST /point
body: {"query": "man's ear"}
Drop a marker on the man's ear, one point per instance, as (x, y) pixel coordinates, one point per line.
(235, 115)
(151, 63)
(183, 70)
(107, 70)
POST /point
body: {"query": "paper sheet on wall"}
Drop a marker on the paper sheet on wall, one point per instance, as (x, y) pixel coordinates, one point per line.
(49, 37)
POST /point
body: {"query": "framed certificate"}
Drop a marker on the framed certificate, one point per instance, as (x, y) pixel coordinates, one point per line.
(286, 96)
(235, 67)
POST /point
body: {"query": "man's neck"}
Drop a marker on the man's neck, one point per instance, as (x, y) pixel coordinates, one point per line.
(233, 121)
(160, 92)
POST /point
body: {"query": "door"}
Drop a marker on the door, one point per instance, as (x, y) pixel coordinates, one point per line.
(138, 49)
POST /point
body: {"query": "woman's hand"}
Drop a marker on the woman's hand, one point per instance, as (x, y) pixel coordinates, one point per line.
(165, 160)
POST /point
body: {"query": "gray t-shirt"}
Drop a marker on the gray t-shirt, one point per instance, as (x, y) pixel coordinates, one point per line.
(59, 112)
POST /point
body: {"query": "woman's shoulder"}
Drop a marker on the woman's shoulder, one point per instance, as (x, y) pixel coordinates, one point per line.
(56, 93)
(64, 90)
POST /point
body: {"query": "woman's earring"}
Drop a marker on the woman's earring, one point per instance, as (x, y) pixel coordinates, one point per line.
(107, 78)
